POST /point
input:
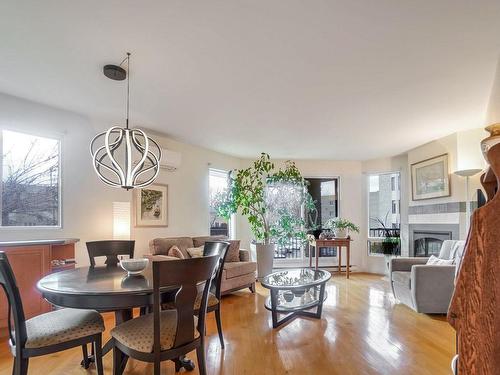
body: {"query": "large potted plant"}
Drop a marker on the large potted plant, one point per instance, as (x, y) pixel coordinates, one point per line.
(271, 200)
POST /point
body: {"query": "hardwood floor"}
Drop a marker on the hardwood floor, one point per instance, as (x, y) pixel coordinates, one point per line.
(363, 331)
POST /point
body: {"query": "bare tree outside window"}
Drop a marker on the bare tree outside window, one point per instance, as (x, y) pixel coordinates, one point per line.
(30, 180)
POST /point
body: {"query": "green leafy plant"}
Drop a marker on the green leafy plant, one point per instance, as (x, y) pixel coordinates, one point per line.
(391, 243)
(260, 193)
(340, 223)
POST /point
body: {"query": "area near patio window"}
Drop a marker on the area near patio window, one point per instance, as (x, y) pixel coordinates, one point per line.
(30, 188)
(384, 195)
(218, 183)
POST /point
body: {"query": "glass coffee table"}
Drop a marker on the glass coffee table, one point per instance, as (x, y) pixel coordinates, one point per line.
(294, 292)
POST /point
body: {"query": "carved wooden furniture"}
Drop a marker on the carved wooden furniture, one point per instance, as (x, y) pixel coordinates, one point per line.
(46, 333)
(339, 243)
(168, 334)
(476, 301)
(294, 292)
(30, 261)
(111, 250)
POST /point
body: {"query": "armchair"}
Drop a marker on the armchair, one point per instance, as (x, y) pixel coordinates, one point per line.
(426, 288)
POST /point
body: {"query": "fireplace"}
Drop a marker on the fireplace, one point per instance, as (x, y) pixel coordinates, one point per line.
(426, 239)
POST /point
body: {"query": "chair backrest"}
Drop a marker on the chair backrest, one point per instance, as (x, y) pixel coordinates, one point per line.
(17, 334)
(219, 248)
(111, 249)
(186, 274)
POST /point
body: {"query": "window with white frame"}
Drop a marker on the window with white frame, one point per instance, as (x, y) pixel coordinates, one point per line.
(384, 196)
(30, 189)
(218, 183)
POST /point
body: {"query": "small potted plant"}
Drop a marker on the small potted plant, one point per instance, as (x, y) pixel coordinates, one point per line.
(391, 242)
(341, 227)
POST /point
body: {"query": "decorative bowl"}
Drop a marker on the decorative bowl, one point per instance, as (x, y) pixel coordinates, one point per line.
(134, 266)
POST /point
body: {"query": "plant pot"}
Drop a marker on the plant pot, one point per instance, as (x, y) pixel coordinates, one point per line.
(265, 258)
(387, 261)
(288, 296)
(340, 233)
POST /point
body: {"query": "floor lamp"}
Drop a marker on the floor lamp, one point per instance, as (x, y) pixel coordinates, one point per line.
(467, 173)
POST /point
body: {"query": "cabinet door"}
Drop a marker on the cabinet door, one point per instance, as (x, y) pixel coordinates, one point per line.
(29, 264)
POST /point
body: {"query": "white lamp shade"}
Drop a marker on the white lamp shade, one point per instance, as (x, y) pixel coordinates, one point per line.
(121, 220)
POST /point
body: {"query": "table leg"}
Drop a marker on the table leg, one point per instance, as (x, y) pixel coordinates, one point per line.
(340, 259)
(316, 251)
(309, 246)
(274, 303)
(348, 261)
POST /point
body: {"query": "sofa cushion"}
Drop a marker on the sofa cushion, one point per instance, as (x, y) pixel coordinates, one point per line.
(447, 249)
(235, 269)
(200, 241)
(435, 261)
(161, 246)
(175, 252)
(402, 277)
(233, 254)
(195, 252)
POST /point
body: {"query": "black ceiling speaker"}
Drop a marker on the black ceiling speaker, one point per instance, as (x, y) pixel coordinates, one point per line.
(114, 72)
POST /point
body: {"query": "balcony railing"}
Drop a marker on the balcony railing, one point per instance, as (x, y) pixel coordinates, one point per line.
(297, 249)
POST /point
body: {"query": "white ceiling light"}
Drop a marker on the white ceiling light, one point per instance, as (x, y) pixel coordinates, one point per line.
(126, 158)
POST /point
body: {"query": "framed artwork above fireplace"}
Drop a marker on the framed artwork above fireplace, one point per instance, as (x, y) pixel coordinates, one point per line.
(430, 178)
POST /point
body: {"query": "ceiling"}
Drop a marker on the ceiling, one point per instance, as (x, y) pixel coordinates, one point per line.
(338, 79)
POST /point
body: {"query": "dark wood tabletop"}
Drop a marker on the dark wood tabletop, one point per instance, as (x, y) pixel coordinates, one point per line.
(102, 288)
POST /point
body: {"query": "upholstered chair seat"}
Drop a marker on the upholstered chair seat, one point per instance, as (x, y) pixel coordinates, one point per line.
(137, 334)
(62, 326)
(212, 301)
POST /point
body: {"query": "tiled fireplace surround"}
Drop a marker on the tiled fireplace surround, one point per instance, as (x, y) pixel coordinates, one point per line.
(435, 221)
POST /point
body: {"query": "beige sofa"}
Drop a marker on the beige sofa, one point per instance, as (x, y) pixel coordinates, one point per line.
(236, 276)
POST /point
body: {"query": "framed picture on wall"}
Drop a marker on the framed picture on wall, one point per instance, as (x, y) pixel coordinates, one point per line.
(151, 206)
(430, 178)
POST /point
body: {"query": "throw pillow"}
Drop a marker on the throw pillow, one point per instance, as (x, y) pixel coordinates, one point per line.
(435, 261)
(174, 251)
(195, 252)
(233, 254)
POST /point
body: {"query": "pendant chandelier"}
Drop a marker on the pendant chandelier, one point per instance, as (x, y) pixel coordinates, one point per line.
(124, 157)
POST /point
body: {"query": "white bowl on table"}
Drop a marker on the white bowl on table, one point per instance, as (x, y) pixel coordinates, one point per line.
(134, 266)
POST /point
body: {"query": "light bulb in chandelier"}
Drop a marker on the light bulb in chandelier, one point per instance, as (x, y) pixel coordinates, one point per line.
(124, 157)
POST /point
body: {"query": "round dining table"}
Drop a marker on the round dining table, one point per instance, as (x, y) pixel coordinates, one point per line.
(104, 289)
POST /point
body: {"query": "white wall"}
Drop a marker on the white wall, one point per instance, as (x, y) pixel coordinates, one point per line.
(493, 110)
(464, 152)
(87, 202)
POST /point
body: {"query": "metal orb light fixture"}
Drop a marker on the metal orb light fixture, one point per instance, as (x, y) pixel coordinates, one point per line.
(124, 157)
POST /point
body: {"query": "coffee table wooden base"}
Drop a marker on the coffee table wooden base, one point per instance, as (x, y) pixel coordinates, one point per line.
(290, 314)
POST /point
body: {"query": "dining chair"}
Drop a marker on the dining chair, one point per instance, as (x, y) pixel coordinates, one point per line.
(46, 333)
(214, 298)
(111, 249)
(168, 334)
(219, 248)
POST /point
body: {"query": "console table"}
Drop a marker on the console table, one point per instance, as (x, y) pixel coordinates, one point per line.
(339, 243)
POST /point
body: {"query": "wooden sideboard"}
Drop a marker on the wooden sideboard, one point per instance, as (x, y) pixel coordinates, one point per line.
(30, 261)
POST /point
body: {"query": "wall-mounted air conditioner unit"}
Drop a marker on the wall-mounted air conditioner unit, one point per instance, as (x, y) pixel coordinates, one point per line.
(170, 160)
